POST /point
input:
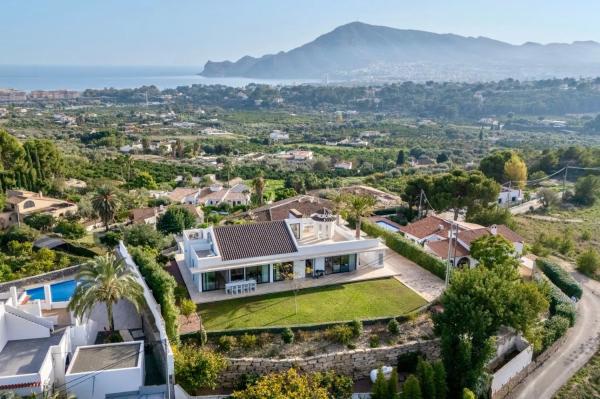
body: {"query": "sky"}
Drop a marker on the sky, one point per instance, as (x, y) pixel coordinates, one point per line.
(190, 32)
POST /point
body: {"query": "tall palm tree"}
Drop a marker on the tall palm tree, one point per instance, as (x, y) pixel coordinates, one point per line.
(105, 204)
(357, 207)
(258, 184)
(107, 280)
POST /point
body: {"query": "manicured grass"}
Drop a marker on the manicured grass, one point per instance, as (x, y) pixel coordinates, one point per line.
(585, 383)
(361, 300)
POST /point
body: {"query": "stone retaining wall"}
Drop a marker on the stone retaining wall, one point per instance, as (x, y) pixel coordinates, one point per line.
(41, 278)
(508, 389)
(355, 363)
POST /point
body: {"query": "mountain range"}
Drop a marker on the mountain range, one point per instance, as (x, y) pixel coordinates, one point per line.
(359, 51)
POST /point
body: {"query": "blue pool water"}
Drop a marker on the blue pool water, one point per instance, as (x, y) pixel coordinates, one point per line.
(387, 226)
(61, 292)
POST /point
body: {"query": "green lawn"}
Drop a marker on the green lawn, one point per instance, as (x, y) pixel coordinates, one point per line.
(361, 300)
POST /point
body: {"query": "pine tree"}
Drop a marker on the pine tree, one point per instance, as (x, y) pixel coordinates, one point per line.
(411, 388)
(426, 379)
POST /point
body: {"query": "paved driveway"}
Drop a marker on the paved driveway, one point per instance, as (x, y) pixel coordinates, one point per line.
(426, 284)
(581, 344)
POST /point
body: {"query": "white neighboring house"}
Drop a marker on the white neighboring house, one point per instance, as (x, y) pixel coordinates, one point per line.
(510, 196)
(278, 135)
(343, 165)
(126, 149)
(236, 258)
(38, 336)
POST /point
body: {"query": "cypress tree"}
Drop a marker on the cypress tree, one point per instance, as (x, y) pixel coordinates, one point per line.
(411, 388)
(426, 379)
(392, 385)
(439, 378)
(380, 386)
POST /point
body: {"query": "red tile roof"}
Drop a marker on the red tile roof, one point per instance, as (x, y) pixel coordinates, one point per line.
(302, 204)
(510, 235)
(440, 248)
(426, 227)
(21, 385)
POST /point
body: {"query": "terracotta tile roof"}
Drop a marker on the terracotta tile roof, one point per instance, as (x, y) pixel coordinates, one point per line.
(241, 241)
(141, 214)
(510, 235)
(195, 210)
(180, 193)
(468, 236)
(302, 204)
(440, 248)
(10, 387)
(426, 227)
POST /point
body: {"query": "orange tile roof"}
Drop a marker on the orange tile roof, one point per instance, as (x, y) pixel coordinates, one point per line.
(440, 248)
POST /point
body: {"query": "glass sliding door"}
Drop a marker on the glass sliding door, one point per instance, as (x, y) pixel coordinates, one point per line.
(309, 268)
(258, 273)
(283, 271)
(340, 264)
(212, 281)
(237, 274)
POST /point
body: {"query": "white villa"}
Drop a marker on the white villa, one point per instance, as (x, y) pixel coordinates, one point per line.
(237, 258)
(45, 349)
(510, 196)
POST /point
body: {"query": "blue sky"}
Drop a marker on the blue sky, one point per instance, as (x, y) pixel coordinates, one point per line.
(188, 32)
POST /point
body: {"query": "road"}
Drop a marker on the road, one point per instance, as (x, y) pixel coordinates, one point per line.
(526, 207)
(582, 342)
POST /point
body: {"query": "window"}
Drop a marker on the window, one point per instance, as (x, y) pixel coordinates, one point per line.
(258, 273)
(29, 204)
(237, 274)
(283, 271)
(212, 281)
(295, 227)
(340, 264)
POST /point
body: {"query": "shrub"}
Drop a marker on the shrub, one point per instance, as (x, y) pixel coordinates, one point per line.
(567, 310)
(588, 262)
(263, 339)
(287, 336)
(40, 221)
(286, 384)
(71, 230)
(554, 328)
(407, 249)
(374, 341)
(226, 343)
(144, 235)
(357, 328)
(302, 336)
(561, 278)
(162, 285)
(338, 386)
(111, 238)
(248, 341)
(340, 333)
(393, 327)
(468, 394)
(197, 368)
(187, 307)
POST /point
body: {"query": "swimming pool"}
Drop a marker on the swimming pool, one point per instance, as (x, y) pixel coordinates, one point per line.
(61, 292)
(387, 226)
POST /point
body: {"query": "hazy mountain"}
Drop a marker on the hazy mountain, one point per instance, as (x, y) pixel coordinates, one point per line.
(362, 51)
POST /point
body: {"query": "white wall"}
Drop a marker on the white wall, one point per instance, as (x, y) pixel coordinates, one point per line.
(299, 268)
(95, 385)
(124, 316)
(3, 330)
(19, 328)
(512, 368)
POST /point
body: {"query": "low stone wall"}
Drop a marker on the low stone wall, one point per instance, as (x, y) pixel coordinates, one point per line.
(41, 278)
(355, 363)
(508, 389)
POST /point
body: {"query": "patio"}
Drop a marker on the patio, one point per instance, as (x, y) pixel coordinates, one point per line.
(408, 273)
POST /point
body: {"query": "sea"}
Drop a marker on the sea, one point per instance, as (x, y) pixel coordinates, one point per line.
(38, 77)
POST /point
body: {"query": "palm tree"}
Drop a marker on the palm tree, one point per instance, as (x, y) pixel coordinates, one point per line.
(357, 207)
(107, 280)
(105, 204)
(258, 184)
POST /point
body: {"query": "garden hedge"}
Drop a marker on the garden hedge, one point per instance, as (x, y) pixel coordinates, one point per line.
(560, 277)
(407, 249)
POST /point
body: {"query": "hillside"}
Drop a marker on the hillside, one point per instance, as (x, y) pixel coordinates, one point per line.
(361, 51)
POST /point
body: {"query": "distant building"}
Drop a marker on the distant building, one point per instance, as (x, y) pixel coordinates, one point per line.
(54, 95)
(343, 165)
(12, 96)
(21, 203)
(278, 135)
(301, 155)
(510, 196)
(126, 149)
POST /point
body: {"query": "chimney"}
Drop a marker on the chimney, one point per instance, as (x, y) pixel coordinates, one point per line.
(494, 229)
